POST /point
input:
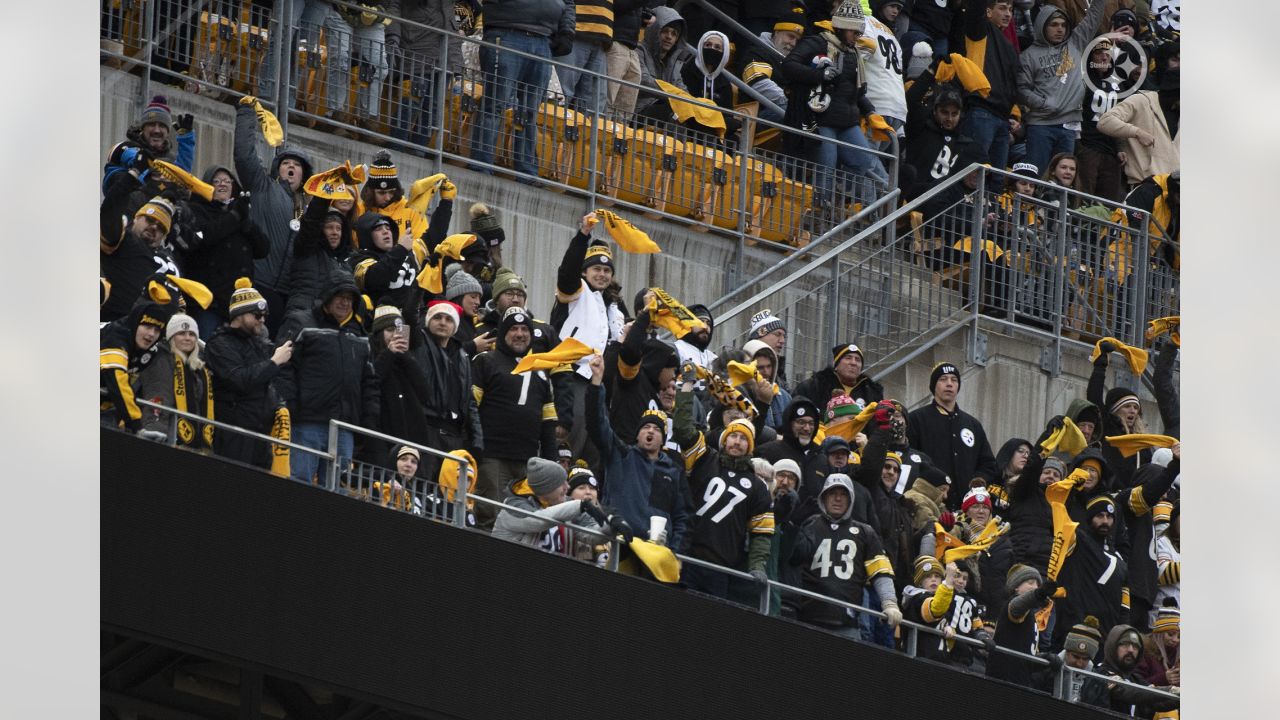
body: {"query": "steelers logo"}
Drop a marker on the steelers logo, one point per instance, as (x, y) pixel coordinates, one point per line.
(745, 483)
(966, 436)
(1128, 65)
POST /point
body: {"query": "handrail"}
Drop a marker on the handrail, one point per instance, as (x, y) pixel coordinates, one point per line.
(460, 521)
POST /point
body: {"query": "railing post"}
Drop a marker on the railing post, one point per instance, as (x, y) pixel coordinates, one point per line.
(744, 207)
(1060, 684)
(285, 49)
(460, 493)
(913, 640)
(834, 310)
(1142, 268)
(148, 51)
(615, 551)
(440, 90)
(331, 481)
(764, 597)
(1062, 270)
(172, 432)
(976, 236)
(593, 162)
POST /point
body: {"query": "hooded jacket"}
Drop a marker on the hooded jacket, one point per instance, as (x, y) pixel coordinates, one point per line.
(656, 65)
(705, 78)
(1006, 455)
(1123, 699)
(388, 277)
(1050, 82)
(788, 446)
(782, 398)
(528, 529)
(330, 375)
(224, 246)
(274, 204)
(120, 360)
(930, 152)
(848, 91)
(838, 557)
(1141, 110)
(1030, 517)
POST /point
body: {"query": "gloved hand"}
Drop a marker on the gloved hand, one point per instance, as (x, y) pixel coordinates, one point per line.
(883, 417)
(759, 576)
(240, 206)
(184, 123)
(140, 160)
(1055, 423)
(1054, 660)
(1046, 590)
(784, 505)
(947, 519)
(829, 73)
(893, 616)
(448, 190)
(1106, 347)
(248, 100)
(155, 435)
(988, 642)
(561, 43)
(621, 527)
(689, 373)
(595, 512)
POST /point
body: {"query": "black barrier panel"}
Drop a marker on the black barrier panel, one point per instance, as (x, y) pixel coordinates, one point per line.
(227, 560)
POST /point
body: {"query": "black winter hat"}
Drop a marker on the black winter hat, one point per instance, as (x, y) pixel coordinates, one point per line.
(365, 225)
(383, 174)
(800, 406)
(1118, 396)
(486, 225)
(943, 368)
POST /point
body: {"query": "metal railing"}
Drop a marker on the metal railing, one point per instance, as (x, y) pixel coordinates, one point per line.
(1043, 264)
(366, 482)
(329, 74)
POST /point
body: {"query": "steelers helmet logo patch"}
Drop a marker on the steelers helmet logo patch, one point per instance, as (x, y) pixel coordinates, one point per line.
(966, 436)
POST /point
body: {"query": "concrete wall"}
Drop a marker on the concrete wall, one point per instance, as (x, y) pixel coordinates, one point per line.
(1010, 393)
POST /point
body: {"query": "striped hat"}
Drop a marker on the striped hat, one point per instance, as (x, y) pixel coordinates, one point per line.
(245, 299)
(1168, 618)
(158, 209)
(764, 322)
(382, 172)
(927, 565)
(1084, 638)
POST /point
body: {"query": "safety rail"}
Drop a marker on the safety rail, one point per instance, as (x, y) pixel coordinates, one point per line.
(356, 490)
(1065, 266)
(643, 162)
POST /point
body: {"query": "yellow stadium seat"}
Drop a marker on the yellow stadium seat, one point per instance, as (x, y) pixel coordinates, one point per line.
(460, 108)
(213, 52)
(783, 219)
(562, 146)
(254, 44)
(640, 165)
(313, 64)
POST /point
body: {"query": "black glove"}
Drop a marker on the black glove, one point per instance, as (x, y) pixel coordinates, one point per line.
(759, 576)
(988, 642)
(784, 504)
(829, 73)
(561, 43)
(689, 373)
(595, 512)
(184, 122)
(140, 160)
(1055, 662)
(1055, 423)
(1046, 591)
(621, 527)
(240, 206)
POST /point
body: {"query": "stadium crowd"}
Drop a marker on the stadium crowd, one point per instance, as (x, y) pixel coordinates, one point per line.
(276, 296)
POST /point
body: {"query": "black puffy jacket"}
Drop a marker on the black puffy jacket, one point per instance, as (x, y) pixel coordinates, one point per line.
(848, 90)
(316, 268)
(330, 375)
(224, 245)
(244, 377)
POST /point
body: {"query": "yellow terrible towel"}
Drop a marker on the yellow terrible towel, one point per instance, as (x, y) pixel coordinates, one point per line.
(1130, 445)
(570, 350)
(1136, 357)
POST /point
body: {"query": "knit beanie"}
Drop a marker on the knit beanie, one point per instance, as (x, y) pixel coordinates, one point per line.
(598, 254)
(444, 307)
(653, 417)
(245, 299)
(943, 368)
(544, 476)
(158, 209)
(742, 426)
(921, 59)
(1118, 397)
(1098, 505)
(486, 225)
(842, 406)
(512, 317)
(839, 351)
(180, 322)
(976, 496)
(582, 476)
(763, 323)
(507, 279)
(1122, 17)
(1019, 574)
(386, 316)
(383, 174)
(1168, 617)
(156, 111)
(787, 465)
(848, 16)
(1056, 464)
(1084, 638)
(925, 566)
(460, 283)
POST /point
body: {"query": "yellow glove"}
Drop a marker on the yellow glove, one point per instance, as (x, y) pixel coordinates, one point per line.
(248, 100)
(448, 190)
(368, 18)
(876, 128)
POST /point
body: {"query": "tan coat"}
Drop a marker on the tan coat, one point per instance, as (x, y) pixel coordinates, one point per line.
(1142, 111)
(1075, 10)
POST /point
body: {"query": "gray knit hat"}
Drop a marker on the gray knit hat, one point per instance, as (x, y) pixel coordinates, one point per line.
(460, 283)
(544, 475)
(1019, 574)
(1055, 464)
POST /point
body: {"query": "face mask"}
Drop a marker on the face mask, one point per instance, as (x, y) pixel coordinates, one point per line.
(711, 58)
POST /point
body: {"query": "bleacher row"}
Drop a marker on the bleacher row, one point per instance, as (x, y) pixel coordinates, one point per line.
(671, 171)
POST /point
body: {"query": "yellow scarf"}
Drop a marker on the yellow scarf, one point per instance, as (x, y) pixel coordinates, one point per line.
(1163, 325)
(431, 278)
(570, 350)
(667, 313)
(849, 427)
(448, 476)
(196, 290)
(951, 548)
(281, 429)
(628, 236)
(1064, 528)
(1067, 439)
(187, 429)
(175, 174)
(703, 111)
(338, 183)
(1137, 357)
(663, 563)
(1130, 445)
(421, 192)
